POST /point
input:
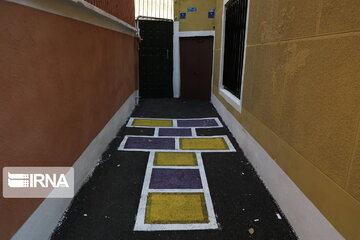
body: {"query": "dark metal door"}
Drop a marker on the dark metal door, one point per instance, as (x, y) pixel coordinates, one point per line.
(196, 55)
(156, 58)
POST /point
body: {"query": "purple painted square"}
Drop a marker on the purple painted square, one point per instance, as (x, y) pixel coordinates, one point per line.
(175, 132)
(197, 123)
(166, 178)
(149, 143)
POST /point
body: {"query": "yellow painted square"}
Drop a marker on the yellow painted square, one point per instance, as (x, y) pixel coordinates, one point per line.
(175, 159)
(172, 208)
(152, 123)
(203, 144)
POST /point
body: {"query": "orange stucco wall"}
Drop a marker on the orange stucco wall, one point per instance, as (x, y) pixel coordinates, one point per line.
(61, 81)
(122, 9)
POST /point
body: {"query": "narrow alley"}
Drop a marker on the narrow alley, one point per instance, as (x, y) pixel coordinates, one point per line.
(207, 185)
(180, 119)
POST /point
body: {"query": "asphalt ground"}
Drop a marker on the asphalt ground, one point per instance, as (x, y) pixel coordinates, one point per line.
(107, 204)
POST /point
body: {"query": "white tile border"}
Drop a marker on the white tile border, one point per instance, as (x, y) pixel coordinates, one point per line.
(192, 129)
(302, 214)
(140, 217)
(193, 132)
(156, 132)
(174, 120)
(177, 145)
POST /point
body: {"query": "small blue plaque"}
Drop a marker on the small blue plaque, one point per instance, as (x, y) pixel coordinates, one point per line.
(193, 9)
(182, 15)
(211, 14)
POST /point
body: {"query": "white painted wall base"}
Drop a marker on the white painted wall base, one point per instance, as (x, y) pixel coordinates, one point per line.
(45, 218)
(304, 217)
(176, 61)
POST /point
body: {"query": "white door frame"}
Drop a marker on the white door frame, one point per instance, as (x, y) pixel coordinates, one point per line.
(176, 58)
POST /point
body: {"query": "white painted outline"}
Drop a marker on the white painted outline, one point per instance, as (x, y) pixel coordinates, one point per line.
(131, 120)
(140, 217)
(192, 129)
(177, 147)
(193, 132)
(177, 143)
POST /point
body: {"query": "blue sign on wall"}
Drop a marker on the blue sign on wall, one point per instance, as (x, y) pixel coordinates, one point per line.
(211, 14)
(193, 9)
(182, 15)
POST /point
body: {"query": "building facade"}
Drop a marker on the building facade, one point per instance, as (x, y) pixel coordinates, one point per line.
(68, 81)
(295, 107)
(297, 118)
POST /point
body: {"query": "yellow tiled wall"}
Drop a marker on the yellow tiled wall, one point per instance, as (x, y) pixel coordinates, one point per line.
(194, 21)
(301, 98)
